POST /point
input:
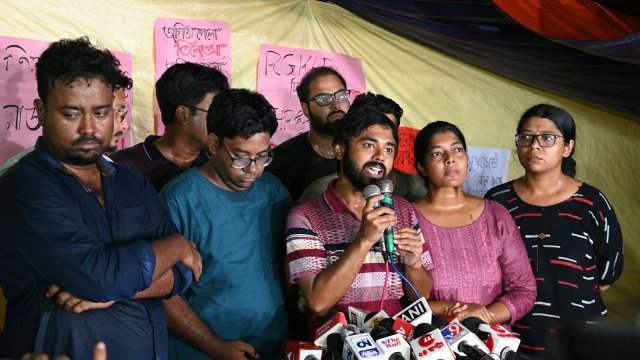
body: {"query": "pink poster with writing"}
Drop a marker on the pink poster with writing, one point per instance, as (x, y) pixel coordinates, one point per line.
(205, 42)
(280, 70)
(19, 126)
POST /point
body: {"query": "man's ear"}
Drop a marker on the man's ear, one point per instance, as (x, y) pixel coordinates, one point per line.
(305, 109)
(182, 115)
(214, 142)
(41, 109)
(339, 150)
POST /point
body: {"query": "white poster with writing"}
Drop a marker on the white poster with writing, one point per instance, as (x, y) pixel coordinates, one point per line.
(488, 167)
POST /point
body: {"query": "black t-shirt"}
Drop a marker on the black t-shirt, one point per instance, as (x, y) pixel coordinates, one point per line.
(149, 161)
(297, 165)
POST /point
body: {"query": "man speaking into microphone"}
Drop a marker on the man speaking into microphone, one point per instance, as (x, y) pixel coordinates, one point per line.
(332, 240)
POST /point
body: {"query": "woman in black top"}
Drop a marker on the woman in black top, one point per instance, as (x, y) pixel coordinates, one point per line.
(570, 230)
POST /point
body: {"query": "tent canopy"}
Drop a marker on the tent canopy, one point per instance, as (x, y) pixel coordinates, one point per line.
(577, 48)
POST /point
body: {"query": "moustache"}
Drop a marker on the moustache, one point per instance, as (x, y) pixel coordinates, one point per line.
(86, 138)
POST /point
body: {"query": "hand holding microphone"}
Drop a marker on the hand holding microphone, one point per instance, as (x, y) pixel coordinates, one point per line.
(407, 240)
(375, 218)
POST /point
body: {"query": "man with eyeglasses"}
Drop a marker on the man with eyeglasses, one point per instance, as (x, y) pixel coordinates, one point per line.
(184, 93)
(236, 214)
(120, 124)
(299, 161)
(407, 186)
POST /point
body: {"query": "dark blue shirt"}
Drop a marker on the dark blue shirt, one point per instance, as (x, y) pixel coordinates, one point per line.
(54, 231)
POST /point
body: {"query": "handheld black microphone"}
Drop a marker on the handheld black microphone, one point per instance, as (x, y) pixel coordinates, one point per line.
(393, 345)
(386, 323)
(499, 340)
(465, 343)
(428, 344)
(405, 301)
(369, 192)
(334, 347)
(472, 352)
(438, 321)
(386, 188)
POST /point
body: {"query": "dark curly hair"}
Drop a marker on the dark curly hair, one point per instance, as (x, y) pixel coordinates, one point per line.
(305, 84)
(186, 84)
(358, 120)
(70, 59)
(240, 112)
(383, 103)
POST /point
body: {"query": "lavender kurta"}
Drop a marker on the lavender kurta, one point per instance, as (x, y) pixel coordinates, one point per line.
(481, 262)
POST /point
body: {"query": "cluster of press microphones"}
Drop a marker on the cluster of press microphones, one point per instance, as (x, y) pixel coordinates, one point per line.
(413, 333)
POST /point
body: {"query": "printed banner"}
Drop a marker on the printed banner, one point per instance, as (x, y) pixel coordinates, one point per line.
(199, 41)
(19, 126)
(280, 70)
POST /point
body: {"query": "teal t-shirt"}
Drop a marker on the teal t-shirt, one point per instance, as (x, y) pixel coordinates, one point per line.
(238, 234)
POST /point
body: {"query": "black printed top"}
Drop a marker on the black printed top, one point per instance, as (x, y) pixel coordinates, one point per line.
(574, 247)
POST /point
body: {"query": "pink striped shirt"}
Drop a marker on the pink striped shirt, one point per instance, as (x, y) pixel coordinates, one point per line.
(319, 231)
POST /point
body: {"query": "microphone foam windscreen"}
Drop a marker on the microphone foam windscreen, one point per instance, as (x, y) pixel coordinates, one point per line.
(334, 341)
(379, 332)
(386, 323)
(371, 190)
(472, 323)
(422, 329)
(438, 321)
(385, 185)
(369, 316)
(405, 301)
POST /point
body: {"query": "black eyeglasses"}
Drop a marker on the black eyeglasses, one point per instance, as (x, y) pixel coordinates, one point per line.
(243, 162)
(544, 140)
(203, 110)
(325, 99)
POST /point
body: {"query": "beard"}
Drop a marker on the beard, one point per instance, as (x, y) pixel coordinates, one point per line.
(325, 126)
(79, 157)
(357, 176)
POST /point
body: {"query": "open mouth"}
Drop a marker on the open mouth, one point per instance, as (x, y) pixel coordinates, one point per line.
(375, 171)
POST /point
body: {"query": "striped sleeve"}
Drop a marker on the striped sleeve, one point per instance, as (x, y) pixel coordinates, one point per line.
(608, 243)
(306, 255)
